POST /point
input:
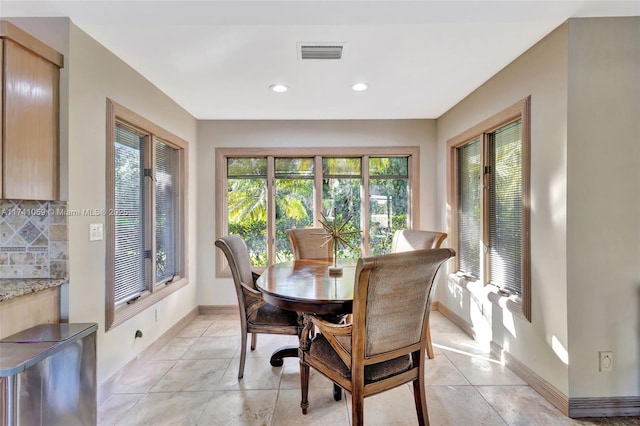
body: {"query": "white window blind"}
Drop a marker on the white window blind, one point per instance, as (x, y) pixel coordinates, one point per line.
(469, 214)
(505, 207)
(129, 273)
(166, 182)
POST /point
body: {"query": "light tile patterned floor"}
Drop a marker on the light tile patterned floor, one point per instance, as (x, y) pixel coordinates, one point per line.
(193, 381)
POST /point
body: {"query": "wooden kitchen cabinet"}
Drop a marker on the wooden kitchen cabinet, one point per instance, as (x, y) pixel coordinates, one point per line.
(30, 72)
(20, 313)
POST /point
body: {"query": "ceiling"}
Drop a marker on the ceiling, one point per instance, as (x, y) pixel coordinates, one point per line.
(217, 59)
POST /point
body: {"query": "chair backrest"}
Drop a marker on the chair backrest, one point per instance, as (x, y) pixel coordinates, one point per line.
(237, 253)
(414, 239)
(310, 243)
(392, 300)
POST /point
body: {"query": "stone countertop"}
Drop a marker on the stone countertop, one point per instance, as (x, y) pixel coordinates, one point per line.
(14, 287)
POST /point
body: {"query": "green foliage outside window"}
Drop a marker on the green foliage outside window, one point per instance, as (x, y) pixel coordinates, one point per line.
(294, 189)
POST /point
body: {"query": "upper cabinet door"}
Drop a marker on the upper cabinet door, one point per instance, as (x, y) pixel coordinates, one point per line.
(30, 169)
(29, 116)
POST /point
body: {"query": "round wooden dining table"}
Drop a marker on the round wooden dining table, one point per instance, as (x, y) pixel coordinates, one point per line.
(306, 286)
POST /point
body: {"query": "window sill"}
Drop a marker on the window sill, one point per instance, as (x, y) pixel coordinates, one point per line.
(125, 311)
(492, 293)
(511, 303)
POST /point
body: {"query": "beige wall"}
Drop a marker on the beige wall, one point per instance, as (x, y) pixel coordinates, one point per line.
(541, 72)
(91, 75)
(294, 134)
(584, 82)
(603, 221)
(95, 75)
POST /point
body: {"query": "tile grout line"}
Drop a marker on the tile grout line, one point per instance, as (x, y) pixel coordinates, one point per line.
(283, 394)
(480, 393)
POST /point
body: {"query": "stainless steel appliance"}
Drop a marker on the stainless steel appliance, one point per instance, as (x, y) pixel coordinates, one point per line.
(48, 376)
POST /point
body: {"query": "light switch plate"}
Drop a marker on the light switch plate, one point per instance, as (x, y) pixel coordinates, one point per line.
(95, 232)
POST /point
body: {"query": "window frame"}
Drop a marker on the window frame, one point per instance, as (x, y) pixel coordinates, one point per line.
(519, 305)
(413, 152)
(118, 313)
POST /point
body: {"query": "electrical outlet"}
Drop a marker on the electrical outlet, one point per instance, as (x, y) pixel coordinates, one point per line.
(606, 361)
(95, 232)
(157, 314)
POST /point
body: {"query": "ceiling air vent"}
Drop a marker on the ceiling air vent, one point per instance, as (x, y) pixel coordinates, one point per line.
(318, 51)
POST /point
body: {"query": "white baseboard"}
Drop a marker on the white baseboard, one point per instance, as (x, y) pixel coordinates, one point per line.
(572, 407)
(604, 407)
(454, 318)
(218, 309)
(537, 383)
(612, 406)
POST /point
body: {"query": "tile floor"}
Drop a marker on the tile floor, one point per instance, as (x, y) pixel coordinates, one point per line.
(193, 381)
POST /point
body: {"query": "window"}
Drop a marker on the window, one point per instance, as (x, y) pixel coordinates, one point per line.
(469, 220)
(294, 179)
(279, 189)
(489, 193)
(145, 214)
(388, 200)
(247, 201)
(341, 182)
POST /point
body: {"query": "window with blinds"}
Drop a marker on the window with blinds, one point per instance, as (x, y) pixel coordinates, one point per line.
(502, 170)
(146, 212)
(166, 162)
(129, 268)
(469, 221)
(490, 198)
(505, 207)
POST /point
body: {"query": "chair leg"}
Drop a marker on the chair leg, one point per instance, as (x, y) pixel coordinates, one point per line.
(243, 354)
(304, 386)
(254, 339)
(421, 401)
(337, 392)
(430, 353)
(357, 407)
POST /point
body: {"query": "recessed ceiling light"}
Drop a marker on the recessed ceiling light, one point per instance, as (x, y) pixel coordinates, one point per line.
(278, 88)
(359, 87)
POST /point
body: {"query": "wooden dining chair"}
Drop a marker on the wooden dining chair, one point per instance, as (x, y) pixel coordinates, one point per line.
(310, 243)
(384, 345)
(415, 239)
(256, 315)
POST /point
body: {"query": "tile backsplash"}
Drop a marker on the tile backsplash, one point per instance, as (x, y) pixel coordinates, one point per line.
(33, 239)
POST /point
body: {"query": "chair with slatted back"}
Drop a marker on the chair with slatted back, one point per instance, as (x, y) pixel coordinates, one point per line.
(384, 346)
(256, 315)
(415, 239)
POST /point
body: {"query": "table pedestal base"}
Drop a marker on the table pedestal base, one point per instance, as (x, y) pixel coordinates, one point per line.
(292, 352)
(283, 352)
